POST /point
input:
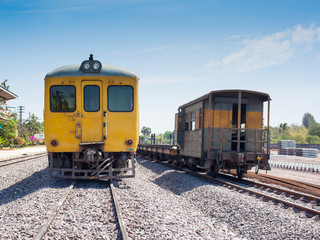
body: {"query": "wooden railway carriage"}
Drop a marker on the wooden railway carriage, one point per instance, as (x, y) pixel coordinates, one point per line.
(224, 130)
(91, 121)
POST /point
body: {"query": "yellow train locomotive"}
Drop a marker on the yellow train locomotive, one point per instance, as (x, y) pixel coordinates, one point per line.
(91, 121)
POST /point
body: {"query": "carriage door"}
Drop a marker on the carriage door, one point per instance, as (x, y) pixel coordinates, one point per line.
(243, 120)
(91, 112)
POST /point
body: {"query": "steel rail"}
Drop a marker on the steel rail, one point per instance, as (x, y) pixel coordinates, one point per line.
(274, 188)
(207, 177)
(123, 231)
(54, 213)
(290, 204)
(299, 182)
(22, 160)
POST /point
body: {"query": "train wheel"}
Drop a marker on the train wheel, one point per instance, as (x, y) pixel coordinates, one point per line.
(214, 170)
(240, 173)
(193, 167)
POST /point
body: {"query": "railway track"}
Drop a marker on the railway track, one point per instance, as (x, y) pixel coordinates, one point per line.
(16, 160)
(54, 213)
(62, 202)
(265, 191)
(304, 187)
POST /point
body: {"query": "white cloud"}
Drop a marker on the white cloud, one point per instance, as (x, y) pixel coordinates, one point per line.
(302, 35)
(270, 50)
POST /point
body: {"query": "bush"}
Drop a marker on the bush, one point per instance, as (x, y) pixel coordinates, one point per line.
(28, 141)
(34, 140)
(18, 141)
(6, 143)
(8, 129)
(313, 139)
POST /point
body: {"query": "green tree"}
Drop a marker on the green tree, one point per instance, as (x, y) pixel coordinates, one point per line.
(4, 111)
(308, 120)
(313, 139)
(146, 131)
(315, 130)
(4, 84)
(33, 125)
(8, 129)
(23, 130)
(167, 136)
(283, 127)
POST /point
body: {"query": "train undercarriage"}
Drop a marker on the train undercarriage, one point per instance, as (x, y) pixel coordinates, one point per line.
(215, 161)
(92, 163)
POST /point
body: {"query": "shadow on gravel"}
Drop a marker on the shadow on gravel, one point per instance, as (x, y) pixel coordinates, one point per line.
(172, 179)
(179, 182)
(31, 184)
(151, 166)
(41, 179)
(89, 184)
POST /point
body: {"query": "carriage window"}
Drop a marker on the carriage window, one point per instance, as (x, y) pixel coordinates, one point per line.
(91, 100)
(120, 98)
(186, 122)
(193, 121)
(63, 98)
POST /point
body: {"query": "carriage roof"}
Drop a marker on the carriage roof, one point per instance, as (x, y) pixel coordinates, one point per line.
(229, 93)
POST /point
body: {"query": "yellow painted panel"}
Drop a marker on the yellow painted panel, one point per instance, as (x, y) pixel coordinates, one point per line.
(222, 118)
(208, 112)
(254, 119)
(62, 126)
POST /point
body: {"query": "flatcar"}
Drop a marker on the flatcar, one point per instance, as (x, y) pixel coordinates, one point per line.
(91, 121)
(220, 130)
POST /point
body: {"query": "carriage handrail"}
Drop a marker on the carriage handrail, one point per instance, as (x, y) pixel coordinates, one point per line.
(255, 141)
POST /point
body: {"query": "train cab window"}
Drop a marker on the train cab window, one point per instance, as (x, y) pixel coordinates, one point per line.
(91, 99)
(192, 121)
(120, 98)
(62, 98)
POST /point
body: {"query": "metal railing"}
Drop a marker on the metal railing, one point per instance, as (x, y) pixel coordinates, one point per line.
(260, 136)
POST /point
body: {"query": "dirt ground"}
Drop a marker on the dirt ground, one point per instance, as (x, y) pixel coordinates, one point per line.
(309, 177)
(13, 153)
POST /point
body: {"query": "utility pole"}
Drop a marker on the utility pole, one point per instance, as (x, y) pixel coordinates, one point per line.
(21, 110)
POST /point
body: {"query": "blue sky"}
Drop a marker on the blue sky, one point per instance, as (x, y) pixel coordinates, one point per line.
(179, 49)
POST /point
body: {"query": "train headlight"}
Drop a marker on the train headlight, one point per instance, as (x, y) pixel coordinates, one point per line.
(86, 66)
(96, 66)
(129, 142)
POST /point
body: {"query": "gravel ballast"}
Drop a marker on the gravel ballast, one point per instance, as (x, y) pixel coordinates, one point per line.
(169, 204)
(159, 203)
(27, 194)
(87, 213)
